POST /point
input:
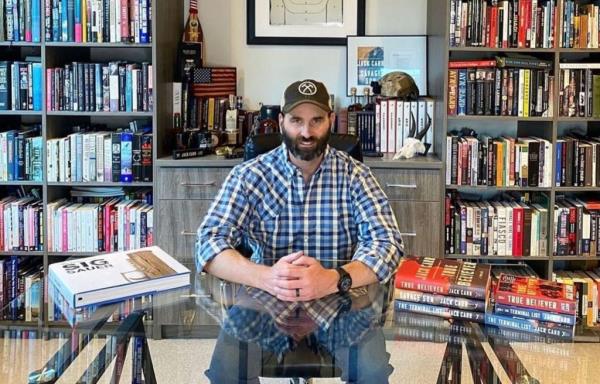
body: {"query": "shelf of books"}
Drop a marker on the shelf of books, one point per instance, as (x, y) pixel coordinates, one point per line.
(79, 128)
(522, 105)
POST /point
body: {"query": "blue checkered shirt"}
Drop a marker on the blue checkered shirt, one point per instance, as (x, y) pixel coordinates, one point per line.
(342, 214)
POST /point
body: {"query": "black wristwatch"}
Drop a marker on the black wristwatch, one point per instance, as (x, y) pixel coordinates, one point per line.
(345, 282)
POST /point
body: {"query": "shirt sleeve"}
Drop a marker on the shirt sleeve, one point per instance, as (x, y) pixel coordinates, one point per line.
(379, 245)
(222, 226)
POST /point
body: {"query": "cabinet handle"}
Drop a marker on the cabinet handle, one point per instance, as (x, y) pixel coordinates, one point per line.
(408, 234)
(188, 233)
(407, 186)
(207, 184)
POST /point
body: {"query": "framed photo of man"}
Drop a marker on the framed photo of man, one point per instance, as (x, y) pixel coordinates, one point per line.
(307, 22)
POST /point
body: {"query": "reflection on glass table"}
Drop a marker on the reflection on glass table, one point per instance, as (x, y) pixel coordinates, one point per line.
(357, 335)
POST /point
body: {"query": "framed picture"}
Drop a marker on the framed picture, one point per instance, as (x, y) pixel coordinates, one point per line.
(314, 22)
(371, 57)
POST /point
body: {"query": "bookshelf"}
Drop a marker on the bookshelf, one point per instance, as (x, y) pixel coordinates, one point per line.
(550, 128)
(166, 27)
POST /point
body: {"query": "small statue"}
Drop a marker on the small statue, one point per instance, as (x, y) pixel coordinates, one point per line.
(412, 144)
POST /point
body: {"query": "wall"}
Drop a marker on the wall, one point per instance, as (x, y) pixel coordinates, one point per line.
(264, 71)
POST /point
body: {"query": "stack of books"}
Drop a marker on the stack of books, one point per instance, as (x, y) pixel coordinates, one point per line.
(534, 305)
(443, 287)
(585, 285)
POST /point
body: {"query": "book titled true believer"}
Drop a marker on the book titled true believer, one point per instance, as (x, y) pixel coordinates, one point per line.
(116, 276)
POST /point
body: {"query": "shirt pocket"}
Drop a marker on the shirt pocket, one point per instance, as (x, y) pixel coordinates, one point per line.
(273, 228)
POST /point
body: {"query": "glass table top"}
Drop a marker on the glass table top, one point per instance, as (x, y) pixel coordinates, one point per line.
(219, 332)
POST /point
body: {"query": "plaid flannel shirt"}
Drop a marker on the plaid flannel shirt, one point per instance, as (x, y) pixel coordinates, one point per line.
(260, 320)
(342, 214)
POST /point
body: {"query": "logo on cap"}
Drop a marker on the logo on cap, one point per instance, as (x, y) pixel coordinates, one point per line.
(307, 88)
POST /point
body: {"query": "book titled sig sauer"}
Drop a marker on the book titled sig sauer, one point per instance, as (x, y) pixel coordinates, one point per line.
(112, 277)
(528, 292)
(445, 277)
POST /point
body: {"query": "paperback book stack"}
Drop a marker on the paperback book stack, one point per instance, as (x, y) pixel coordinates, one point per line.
(534, 305)
(443, 287)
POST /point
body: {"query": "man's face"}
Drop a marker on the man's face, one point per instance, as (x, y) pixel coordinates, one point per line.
(305, 130)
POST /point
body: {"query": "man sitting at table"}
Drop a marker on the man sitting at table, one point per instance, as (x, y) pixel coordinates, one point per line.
(305, 205)
(301, 203)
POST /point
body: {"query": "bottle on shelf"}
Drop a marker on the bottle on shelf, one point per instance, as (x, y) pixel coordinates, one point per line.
(353, 108)
(231, 119)
(192, 43)
(369, 100)
(193, 30)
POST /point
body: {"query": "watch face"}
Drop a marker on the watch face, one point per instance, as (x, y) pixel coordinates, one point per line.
(345, 283)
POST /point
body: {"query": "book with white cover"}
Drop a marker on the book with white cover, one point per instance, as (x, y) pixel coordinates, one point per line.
(112, 277)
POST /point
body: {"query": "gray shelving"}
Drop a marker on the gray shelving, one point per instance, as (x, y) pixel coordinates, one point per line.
(167, 26)
(438, 14)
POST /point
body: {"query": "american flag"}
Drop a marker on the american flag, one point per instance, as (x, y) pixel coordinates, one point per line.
(214, 82)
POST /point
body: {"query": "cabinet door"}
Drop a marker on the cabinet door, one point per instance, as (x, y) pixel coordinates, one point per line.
(179, 221)
(190, 183)
(420, 225)
(409, 184)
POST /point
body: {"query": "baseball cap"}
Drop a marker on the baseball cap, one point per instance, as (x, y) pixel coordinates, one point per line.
(305, 91)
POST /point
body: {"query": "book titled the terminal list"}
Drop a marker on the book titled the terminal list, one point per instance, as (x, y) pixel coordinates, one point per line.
(444, 277)
(116, 276)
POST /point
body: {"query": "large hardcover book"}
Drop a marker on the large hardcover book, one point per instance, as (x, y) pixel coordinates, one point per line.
(5, 86)
(535, 293)
(116, 276)
(536, 314)
(530, 325)
(445, 312)
(440, 300)
(444, 276)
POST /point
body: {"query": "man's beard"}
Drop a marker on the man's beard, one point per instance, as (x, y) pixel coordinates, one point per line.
(306, 154)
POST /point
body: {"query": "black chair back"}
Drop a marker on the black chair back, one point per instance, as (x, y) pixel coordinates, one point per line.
(258, 144)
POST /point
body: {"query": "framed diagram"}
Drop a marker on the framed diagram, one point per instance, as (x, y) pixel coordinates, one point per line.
(371, 57)
(309, 22)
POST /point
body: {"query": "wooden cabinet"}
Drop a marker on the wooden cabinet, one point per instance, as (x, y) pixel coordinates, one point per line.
(187, 188)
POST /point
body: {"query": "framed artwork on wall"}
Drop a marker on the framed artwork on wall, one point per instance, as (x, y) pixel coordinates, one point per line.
(311, 22)
(371, 57)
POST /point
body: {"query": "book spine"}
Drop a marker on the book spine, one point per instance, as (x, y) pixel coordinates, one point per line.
(440, 300)
(147, 158)
(530, 313)
(526, 301)
(116, 157)
(126, 157)
(447, 313)
(528, 325)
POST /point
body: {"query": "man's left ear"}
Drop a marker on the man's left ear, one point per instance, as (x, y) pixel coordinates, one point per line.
(332, 118)
(281, 117)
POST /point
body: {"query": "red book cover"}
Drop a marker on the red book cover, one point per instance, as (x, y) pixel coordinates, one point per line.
(528, 292)
(572, 230)
(124, 22)
(471, 64)
(493, 23)
(517, 242)
(444, 277)
(522, 24)
(528, 24)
